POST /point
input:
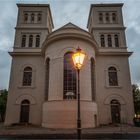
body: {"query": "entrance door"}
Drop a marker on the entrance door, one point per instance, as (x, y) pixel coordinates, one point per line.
(115, 111)
(24, 112)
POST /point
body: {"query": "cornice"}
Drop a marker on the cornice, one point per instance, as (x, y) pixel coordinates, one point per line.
(32, 28)
(25, 53)
(108, 28)
(114, 53)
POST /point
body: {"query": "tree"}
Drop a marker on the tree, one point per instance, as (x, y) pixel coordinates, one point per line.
(3, 101)
(136, 97)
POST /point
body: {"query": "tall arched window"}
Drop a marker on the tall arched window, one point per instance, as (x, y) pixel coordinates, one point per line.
(101, 17)
(102, 41)
(30, 40)
(47, 71)
(25, 17)
(93, 78)
(37, 43)
(116, 38)
(109, 41)
(27, 76)
(107, 17)
(24, 111)
(39, 17)
(114, 17)
(113, 78)
(23, 42)
(32, 17)
(115, 111)
(69, 77)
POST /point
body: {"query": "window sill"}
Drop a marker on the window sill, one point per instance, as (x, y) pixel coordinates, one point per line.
(113, 86)
(25, 87)
(69, 99)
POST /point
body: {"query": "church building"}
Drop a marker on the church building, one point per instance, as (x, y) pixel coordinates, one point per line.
(43, 80)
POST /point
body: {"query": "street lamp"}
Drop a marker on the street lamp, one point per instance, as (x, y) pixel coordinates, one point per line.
(78, 59)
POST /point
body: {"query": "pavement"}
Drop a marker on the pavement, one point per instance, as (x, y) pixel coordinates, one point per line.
(36, 132)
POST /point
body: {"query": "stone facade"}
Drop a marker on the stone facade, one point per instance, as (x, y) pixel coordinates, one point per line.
(36, 90)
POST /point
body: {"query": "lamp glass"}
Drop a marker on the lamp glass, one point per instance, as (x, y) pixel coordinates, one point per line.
(78, 58)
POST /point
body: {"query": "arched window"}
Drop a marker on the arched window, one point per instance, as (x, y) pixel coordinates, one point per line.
(107, 17)
(39, 17)
(113, 78)
(25, 17)
(115, 111)
(32, 17)
(24, 111)
(93, 78)
(114, 17)
(101, 17)
(30, 40)
(23, 42)
(37, 41)
(102, 41)
(116, 38)
(109, 41)
(47, 71)
(27, 76)
(69, 77)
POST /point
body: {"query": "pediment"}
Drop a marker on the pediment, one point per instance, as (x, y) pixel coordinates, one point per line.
(70, 25)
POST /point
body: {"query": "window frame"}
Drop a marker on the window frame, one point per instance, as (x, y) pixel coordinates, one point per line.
(102, 39)
(109, 40)
(39, 17)
(69, 78)
(37, 41)
(107, 17)
(101, 19)
(30, 45)
(114, 16)
(27, 76)
(116, 41)
(112, 71)
(26, 17)
(23, 41)
(32, 17)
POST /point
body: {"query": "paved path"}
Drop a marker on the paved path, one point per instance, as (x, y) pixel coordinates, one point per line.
(102, 131)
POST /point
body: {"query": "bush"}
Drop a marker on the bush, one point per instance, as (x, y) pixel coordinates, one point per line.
(136, 121)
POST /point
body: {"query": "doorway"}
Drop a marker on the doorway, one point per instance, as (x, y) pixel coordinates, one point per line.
(115, 111)
(24, 111)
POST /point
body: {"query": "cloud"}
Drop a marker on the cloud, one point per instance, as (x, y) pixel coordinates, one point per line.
(5, 62)
(65, 11)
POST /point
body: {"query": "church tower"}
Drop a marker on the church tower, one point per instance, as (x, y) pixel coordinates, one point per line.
(26, 90)
(34, 23)
(105, 23)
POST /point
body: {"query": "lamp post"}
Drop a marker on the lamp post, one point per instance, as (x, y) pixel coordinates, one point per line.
(78, 59)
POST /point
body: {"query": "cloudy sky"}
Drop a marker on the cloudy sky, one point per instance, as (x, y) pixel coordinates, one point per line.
(65, 11)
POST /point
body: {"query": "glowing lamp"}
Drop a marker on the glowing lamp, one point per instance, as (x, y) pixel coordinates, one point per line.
(78, 58)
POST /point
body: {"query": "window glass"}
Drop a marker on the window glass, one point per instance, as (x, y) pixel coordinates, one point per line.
(107, 18)
(109, 41)
(32, 17)
(69, 77)
(114, 17)
(100, 17)
(112, 74)
(116, 38)
(102, 41)
(25, 17)
(37, 41)
(27, 76)
(23, 42)
(30, 40)
(39, 17)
